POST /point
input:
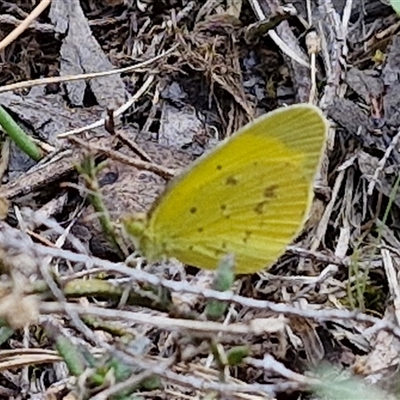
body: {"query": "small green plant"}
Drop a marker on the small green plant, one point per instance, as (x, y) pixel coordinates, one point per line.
(340, 386)
(89, 170)
(223, 281)
(395, 5)
(18, 136)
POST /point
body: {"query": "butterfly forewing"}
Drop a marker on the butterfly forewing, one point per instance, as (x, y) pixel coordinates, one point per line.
(249, 196)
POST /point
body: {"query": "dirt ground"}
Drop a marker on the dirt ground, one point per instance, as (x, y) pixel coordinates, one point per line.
(119, 96)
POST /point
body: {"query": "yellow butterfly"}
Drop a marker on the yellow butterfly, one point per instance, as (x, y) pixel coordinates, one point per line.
(249, 197)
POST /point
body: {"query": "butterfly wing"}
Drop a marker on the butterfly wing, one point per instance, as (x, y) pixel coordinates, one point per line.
(249, 196)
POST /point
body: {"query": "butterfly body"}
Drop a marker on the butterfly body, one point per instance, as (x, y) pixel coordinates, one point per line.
(248, 197)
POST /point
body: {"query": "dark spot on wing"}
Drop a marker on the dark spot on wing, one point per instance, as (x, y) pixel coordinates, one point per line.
(270, 191)
(191, 247)
(219, 167)
(247, 236)
(223, 245)
(231, 180)
(193, 210)
(255, 163)
(223, 208)
(218, 252)
(260, 207)
(287, 166)
(200, 229)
